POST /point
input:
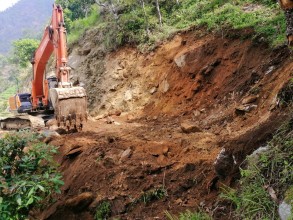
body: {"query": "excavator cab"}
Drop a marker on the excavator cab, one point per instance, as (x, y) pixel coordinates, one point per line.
(20, 103)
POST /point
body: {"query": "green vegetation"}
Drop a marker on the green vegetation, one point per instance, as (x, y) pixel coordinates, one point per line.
(268, 176)
(78, 27)
(137, 22)
(285, 94)
(23, 51)
(28, 176)
(103, 211)
(153, 195)
(4, 96)
(188, 215)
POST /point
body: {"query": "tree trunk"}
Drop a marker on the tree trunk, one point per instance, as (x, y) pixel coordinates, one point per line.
(159, 12)
(145, 18)
(114, 11)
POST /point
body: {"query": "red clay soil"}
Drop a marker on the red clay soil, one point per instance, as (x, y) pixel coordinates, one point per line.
(225, 85)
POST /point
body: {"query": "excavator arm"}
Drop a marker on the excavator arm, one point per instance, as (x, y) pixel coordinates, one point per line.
(68, 102)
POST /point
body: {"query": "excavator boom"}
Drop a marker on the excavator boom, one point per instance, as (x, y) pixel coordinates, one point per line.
(68, 102)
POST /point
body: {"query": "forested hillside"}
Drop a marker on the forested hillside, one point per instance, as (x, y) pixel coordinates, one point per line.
(26, 19)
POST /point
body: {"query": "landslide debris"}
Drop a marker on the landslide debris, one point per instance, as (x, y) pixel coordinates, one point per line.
(179, 107)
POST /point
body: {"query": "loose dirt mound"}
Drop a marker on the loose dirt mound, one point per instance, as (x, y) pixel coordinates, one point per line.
(186, 101)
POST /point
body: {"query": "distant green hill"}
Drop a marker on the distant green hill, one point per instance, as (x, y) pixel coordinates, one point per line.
(27, 18)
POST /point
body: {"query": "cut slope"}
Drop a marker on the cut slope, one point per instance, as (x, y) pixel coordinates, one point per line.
(224, 85)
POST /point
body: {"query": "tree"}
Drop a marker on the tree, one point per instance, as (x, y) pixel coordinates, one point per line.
(23, 51)
(159, 12)
(78, 8)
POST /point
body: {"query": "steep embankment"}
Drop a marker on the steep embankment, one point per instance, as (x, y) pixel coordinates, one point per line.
(160, 119)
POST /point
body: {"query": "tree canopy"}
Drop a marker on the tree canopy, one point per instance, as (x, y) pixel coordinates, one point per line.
(23, 51)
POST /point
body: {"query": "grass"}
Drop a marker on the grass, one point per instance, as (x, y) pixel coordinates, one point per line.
(4, 96)
(153, 195)
(188, 215)
(263, 16)
(267, 175)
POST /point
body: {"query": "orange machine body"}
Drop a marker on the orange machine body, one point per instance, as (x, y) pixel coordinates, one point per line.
(54, 40)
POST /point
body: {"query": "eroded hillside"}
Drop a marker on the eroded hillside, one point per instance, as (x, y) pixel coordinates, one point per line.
(160, 119)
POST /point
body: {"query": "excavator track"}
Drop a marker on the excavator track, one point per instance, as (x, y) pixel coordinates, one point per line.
(22, 122)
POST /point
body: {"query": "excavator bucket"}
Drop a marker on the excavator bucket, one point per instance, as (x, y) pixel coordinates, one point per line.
(70, 106)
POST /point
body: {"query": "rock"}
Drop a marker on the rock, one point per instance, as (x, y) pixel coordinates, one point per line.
(128, 95)
(180, 61)
(158, 149)
(285, 211)
(126, 154)
(196, 113)
(80, 202)
(153, 90)
(223, 164)
(165, 86)
(49, 133)
(100, 117)
(116, 123)
(118, 112)
(130, 117)
(178, 201)
(249, 99)
(115, 112)
(110, 120)
(270, 70)
(74, 152)
(188, 127)
(242, 109)
(207, 70)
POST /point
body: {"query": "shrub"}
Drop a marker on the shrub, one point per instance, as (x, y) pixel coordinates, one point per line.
(27, 177)
(103, 211)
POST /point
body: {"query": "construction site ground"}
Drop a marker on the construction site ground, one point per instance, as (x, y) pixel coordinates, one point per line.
(198, 94)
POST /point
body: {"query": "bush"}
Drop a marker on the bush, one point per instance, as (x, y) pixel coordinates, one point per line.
(23, 51)
(27, 177)
(103, 211)
(77, 27)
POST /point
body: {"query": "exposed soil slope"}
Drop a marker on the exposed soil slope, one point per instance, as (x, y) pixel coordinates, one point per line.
(180, 104)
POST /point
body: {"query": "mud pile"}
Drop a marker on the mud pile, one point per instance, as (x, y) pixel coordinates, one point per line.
(160, 120)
